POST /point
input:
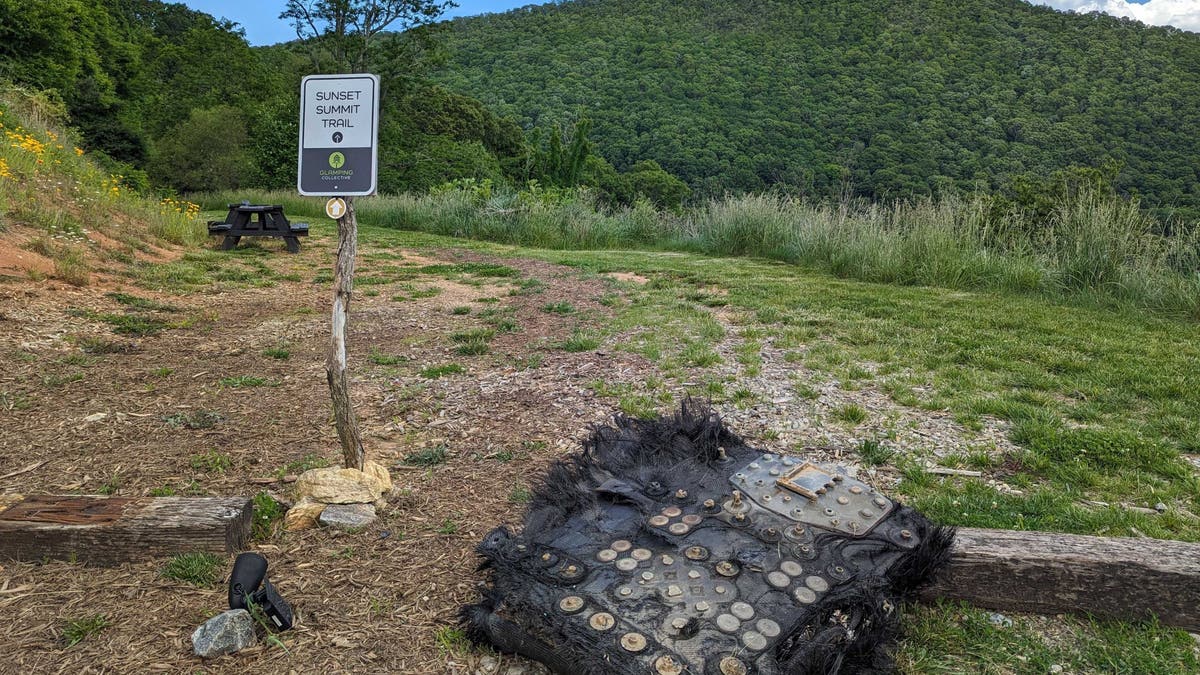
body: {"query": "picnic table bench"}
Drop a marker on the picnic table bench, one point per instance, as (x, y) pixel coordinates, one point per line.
(271, 222)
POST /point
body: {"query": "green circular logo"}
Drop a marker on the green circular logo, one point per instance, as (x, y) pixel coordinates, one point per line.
(337, 160)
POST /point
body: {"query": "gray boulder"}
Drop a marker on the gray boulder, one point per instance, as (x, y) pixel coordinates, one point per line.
(225, 633)
(348, 516)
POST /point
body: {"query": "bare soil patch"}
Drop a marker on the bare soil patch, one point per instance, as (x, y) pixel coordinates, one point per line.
(135, 421)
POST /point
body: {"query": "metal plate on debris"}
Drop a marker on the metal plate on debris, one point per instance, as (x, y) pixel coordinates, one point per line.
(807, 493)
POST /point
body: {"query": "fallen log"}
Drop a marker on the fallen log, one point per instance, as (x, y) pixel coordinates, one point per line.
(1051, 573)
(112, 530)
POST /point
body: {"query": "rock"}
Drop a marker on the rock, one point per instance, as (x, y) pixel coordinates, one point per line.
(303, 515)
(225, 633)
(998, 619)
(488, 665)
(1160, 507)
(1056, 668)
(342, 486)
(348, 516)
(380, 473)
(96, 417)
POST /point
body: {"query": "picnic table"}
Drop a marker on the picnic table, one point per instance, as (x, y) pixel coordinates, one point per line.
(240, 222)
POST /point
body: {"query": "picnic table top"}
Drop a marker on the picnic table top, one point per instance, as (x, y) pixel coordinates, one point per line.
(256, 208)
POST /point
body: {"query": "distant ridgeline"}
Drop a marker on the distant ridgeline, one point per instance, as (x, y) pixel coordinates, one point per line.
(881, 98)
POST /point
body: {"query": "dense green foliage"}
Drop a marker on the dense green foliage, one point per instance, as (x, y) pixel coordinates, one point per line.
(170, 96)
(879, 98)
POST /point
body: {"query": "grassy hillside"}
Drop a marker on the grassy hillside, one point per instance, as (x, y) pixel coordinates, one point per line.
(873, 97)
(63, 216)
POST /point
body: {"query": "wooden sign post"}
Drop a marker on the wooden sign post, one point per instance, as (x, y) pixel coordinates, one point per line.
(339, 157)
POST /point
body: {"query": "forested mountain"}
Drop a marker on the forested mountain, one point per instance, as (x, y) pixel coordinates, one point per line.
(878, 97)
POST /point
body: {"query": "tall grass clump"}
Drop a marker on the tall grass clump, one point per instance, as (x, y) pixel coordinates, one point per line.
(1095, 247)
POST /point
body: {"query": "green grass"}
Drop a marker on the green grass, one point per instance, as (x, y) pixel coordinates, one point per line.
(211, 462)
(560, 307)
(580, 341)
(875, 453)
(90, 344)
(427, 457)
(472, 348)
(198, 569)
(77, 630)
(953, 638)
(308, 461)
(267, 512)
(851, 414)
(434, 372)
(381, 359)
(460, 310)
(142, 304)
(278, 353)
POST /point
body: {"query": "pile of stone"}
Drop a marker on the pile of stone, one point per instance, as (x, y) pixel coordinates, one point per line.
(343, 498)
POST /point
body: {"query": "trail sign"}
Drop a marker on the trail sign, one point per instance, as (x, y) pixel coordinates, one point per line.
(339, 131)
(335, 208)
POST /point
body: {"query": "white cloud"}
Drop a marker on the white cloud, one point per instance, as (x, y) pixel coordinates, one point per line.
(1183, 14)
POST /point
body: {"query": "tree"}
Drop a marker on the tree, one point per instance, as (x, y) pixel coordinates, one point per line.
(205, 152)
(344, 29)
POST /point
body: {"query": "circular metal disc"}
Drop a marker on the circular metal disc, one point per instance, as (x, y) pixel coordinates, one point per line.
(633, 642)
(647, 575)
(768, 627)
(727, 568)
(693, 574)
(742, 610)
(779, 579)
(641, 554)
(754, 641)
(817, 584)
(679, 528)
(666, 665)
(571, 604)
(602, 621)
(728, 623)
(805, 596)
(627, 564)
(692, 519)
(731, 665)
(790, 568)
(703, 606)
(696, 553)
(625, 591)
(667, 560)
(855, 490)
(607, 555)
(659, 521)
(720, 590)
(672, 511)
(621, 545)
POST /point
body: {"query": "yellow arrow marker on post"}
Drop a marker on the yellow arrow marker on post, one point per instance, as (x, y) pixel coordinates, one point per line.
(335, 208)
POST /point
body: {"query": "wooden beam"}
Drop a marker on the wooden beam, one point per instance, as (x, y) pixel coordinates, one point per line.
(112, 530)
(1050, 573)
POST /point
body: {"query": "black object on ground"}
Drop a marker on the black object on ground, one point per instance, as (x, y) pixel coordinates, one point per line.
(248, 585)
(670, 546)
(271, 222)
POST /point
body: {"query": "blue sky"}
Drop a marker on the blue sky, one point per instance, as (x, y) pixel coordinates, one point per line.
(263, 26)
(261, 20)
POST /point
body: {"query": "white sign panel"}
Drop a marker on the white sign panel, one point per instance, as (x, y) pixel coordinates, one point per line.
(339, 132)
